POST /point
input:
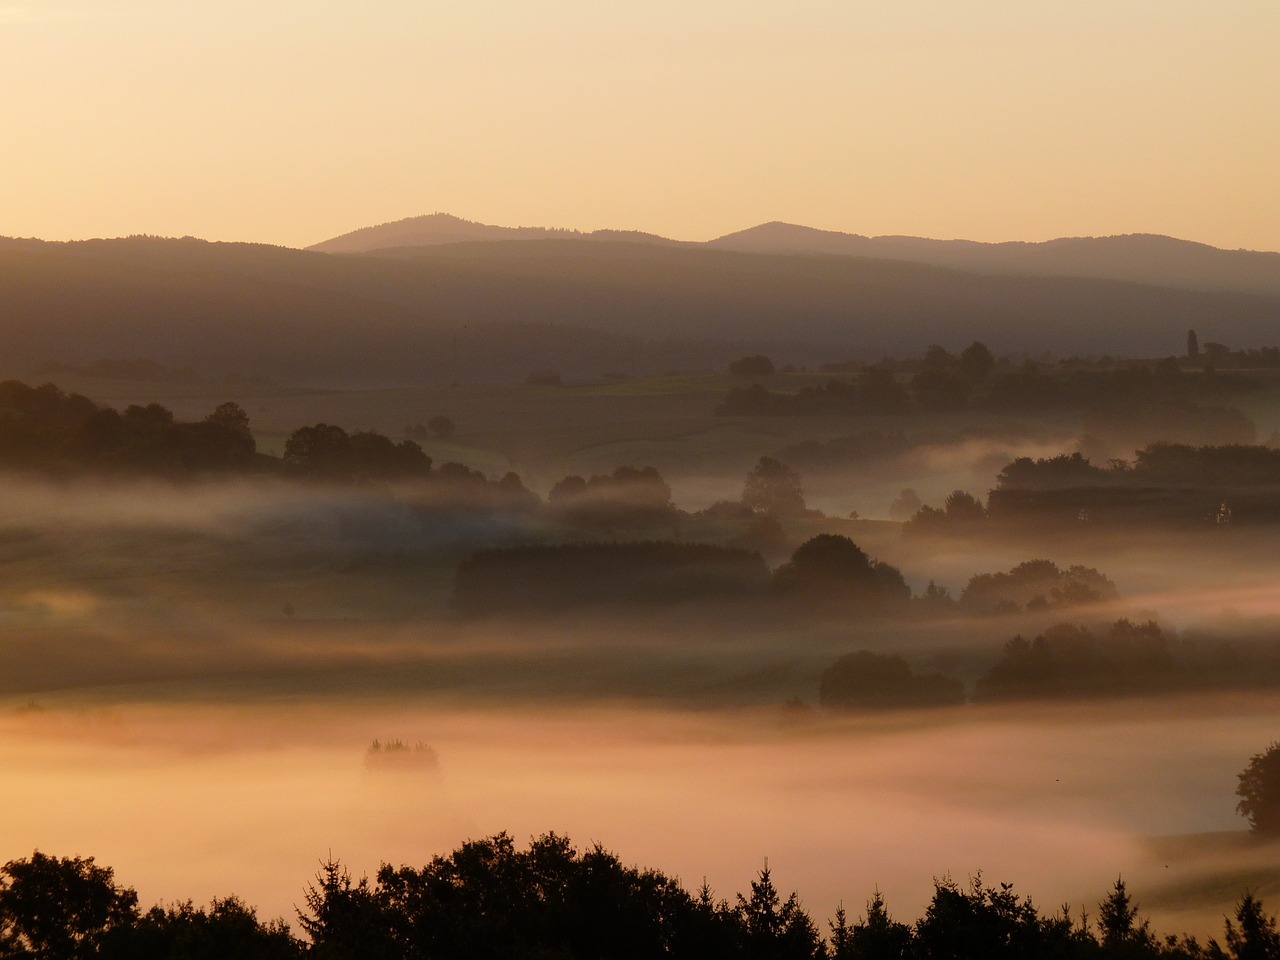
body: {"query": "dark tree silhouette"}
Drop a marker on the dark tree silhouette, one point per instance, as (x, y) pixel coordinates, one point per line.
(54, 908)
(346, 920)
(877, 936)
(963, 507)
(630, 497)
(984, 923)
(229, 928)
(1253, 936)
(870, 681)
(1259, 791)
(1036, 583)
(232, 418)
(774, 488)
(1124, 934)
(319, 449)
(976, 362)
(774, 929)
(489, 900)
(835, 566)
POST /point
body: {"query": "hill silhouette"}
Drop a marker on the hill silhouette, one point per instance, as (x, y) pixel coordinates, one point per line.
(497, 310)
(439, 228)
(1139, 258)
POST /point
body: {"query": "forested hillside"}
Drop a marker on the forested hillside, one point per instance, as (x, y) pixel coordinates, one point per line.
(497, 310)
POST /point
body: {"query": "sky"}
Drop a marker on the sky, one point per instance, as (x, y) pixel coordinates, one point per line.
(291, 121)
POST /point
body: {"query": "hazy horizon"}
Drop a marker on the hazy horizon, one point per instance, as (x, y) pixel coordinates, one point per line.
(556, 227)
(991, 122)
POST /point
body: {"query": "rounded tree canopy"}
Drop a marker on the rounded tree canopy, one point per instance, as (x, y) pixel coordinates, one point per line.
(829, 556)
(1259, 791)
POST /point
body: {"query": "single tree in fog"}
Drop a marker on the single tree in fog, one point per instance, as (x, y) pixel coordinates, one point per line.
(1259, 791)
(774, 488)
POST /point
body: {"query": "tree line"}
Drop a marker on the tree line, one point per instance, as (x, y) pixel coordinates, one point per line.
(1067, 661)
(490, 900)
(1233, 483)
(1171, 483)
(44, 430)
(941, 380)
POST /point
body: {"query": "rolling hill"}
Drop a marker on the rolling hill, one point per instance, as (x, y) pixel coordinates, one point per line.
(1139, 258)
(496, 310)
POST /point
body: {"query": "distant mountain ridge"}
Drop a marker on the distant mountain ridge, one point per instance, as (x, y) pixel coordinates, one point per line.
(495, 311)
(434, 229)
(1138, 258)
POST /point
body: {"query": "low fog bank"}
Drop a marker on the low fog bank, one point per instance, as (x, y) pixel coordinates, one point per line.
(211, 662)
(247, 797)
(318, 588)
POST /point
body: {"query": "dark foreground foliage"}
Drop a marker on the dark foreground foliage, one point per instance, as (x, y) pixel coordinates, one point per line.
(488, 900)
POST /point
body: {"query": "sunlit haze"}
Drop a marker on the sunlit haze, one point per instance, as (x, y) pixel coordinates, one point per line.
(292, 122)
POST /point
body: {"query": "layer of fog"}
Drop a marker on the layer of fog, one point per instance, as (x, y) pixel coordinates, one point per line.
(869, 487)
(210, 662)
(247, 795)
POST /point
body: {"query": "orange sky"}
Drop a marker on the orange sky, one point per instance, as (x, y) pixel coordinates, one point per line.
(291, 121)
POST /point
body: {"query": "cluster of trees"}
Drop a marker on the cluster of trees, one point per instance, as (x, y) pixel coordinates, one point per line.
(958, 512)
(1067, 661)
(489, 900)
(826, 573)
(771, 489)
(326, 451)
(876, 681)
(1219, 355)
(629, 498)
(1029, 586)
(1035, 585)
(830, 569)
(945, 381)
(44, 429)
(1072, 661)
(70, 908)
(1164, 481)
